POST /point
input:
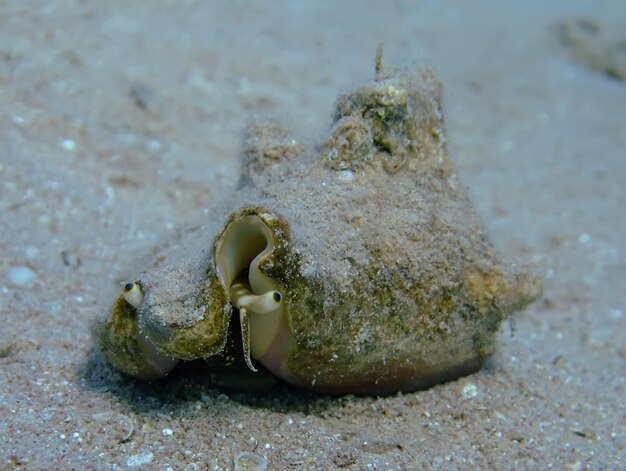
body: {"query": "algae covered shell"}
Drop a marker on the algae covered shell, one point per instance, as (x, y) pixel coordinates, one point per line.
(359, 266)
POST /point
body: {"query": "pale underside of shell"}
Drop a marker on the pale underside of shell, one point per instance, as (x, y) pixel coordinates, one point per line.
(358, 267)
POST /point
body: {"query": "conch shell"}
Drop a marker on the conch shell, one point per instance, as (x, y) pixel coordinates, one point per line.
(358, 267)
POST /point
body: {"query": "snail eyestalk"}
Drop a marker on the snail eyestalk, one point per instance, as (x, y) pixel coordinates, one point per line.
(242, 298)
(133, 294)
(245, 301)
(125, 344)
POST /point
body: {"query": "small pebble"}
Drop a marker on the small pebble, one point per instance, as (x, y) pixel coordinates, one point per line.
(249, 462)
(345, 175)
(31, 252)
(68, 144)
(139, 460)
(469, 391)
(22, 276)
(167, 432)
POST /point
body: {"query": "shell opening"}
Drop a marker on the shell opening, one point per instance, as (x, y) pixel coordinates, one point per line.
(238, 252)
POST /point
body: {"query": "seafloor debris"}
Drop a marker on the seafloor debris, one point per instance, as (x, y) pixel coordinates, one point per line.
(358, 267)
(599, 48)
(21, 276)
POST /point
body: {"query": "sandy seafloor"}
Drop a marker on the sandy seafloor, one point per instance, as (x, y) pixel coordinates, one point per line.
(120, 122)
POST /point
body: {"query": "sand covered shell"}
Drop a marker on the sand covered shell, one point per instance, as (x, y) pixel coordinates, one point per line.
(359, 267)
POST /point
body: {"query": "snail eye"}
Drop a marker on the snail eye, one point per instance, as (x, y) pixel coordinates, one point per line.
(277, 297)
(133, 294)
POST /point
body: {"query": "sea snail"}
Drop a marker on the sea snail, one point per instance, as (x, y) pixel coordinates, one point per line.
(359, 266)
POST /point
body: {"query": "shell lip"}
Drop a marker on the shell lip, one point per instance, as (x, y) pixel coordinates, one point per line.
(239, 240)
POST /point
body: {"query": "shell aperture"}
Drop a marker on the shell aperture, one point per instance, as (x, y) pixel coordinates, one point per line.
(243, 244)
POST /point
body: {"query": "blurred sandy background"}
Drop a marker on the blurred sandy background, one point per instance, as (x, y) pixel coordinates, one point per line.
(122, 121)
